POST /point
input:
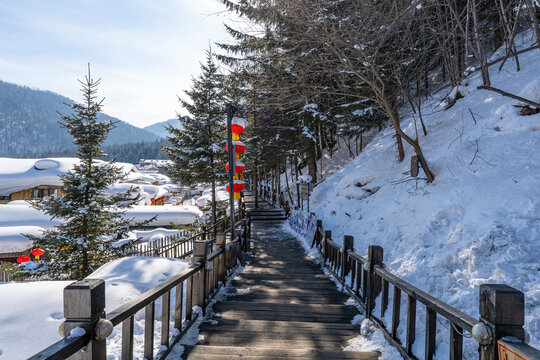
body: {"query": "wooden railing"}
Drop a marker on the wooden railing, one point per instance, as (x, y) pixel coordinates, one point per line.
(178, 245)
(369, 283)
(212, 261)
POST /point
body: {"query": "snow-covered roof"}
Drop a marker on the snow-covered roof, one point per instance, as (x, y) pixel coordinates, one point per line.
(22, 174)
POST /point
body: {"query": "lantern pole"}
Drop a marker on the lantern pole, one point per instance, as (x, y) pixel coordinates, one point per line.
(232, 164)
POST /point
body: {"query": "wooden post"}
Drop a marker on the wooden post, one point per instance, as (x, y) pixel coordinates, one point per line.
(327, 235)
(84, 305)
(375, 255)
(199, 278)
(502, 309)
(317, 237)
(221, 269)
(348, 244)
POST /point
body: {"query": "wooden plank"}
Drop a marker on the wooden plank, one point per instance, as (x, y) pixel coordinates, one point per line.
(149, 330)
(127, 338)
(431, 332)
(178, 306)
(396, 307)
(456, 342)
(384, 298)
(251, 352)
(411, 324)
(165, 314)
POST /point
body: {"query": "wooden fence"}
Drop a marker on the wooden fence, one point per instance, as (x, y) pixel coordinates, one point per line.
(369, 283)
(212, 262)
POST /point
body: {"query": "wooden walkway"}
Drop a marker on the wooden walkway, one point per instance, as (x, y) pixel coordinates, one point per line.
(283, 307)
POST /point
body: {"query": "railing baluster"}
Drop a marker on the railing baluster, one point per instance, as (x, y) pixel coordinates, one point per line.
(396, 311)
(411, 323)
(353, 273)
(358, 278)
(178, 306)
(189, 294)
(431, 331)
(127, 338)
(384, 297)
(456, 342)
(149, 330)
(165, 314)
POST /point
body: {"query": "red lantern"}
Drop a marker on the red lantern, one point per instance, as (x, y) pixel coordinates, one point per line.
(238, 186)
(238, 146)
(239, 167)
(37, 252)
(23, 258)
(238, 125)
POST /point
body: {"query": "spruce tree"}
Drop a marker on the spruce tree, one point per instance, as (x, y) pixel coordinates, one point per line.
(91, 219)
(197, 145)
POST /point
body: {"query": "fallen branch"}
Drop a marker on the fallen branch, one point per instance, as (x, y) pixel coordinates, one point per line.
(504, 93)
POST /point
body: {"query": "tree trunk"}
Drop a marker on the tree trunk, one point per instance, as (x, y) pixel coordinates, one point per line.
(403, 135)
(214, 210)
(312, 166)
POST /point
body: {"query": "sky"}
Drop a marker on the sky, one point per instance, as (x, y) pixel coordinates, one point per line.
(144, 51)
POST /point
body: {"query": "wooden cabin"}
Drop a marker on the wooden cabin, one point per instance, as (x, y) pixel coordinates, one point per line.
(37, 192)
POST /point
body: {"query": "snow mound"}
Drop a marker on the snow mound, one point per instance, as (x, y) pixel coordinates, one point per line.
(45, 164)
(531, 91)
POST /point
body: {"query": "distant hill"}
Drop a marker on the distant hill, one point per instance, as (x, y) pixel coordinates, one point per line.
(29, 123)
(159, 128)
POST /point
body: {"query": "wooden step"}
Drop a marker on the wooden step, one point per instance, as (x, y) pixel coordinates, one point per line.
(207, 352)
(281, 327)
(313, 309)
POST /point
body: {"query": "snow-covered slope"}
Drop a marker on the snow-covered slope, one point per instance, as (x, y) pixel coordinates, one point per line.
(478, 223)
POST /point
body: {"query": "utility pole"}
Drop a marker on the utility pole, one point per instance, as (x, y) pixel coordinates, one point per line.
(232, 164)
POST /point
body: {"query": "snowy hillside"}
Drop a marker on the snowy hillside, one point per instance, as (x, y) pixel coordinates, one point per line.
(158, 129)
(478, 222)
(29, 123)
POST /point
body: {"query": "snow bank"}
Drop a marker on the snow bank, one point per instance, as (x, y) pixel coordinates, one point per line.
(477, 223)
(36, 308)
(30, 317)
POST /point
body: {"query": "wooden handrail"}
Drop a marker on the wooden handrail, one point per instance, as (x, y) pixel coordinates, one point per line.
(132, 307)
(62, 349)
(458, 317)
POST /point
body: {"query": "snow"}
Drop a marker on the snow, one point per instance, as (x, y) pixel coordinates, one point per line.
(166, 214)
(21, 174)
(12, 240)
(36, 308)
(17, 218)
(477, 223)
(531, 91)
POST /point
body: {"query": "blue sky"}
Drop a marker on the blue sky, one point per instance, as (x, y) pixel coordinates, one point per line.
(144, 51)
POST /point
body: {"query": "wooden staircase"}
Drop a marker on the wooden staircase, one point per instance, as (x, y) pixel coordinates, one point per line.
(267, 214)
(281, 307)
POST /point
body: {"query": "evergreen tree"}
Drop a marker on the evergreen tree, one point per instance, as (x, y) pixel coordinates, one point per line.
(91, 219)
(196, 144)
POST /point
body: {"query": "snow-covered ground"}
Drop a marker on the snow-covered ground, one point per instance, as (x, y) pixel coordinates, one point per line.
(477, 223)
(35, 309)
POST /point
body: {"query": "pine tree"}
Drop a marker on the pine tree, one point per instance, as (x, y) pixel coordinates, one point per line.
(91, 219)
(197, 144)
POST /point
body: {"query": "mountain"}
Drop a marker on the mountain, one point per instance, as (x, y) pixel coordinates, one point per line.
(29, 123)
(159, 128)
